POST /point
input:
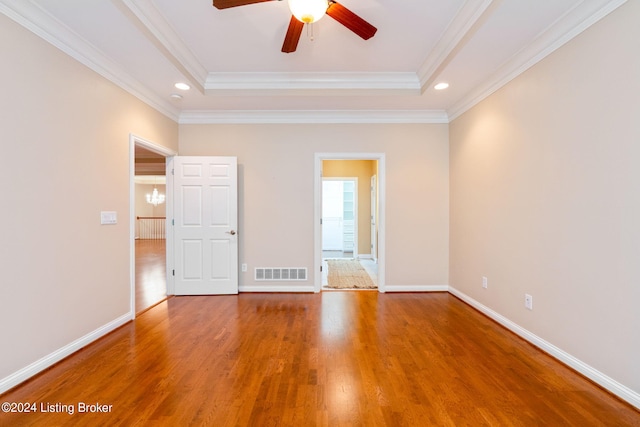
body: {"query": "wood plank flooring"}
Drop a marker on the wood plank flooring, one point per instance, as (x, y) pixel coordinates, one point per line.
(151, 281)
(329, 359)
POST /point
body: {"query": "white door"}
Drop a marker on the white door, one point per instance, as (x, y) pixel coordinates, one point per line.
(205, 225)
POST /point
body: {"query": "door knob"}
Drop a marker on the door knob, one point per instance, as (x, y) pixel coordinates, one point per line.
(232, 232)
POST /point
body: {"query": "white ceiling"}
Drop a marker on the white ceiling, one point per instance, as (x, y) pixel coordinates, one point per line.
(232, 58)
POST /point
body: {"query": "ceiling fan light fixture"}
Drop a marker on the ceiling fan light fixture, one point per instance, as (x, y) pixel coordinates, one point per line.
(308, 11)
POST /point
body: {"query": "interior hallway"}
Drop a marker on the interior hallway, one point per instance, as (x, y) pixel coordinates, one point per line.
(151, 267)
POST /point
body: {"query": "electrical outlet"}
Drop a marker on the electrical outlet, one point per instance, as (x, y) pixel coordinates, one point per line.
(528, 301)
(485, 282)
(244, 268)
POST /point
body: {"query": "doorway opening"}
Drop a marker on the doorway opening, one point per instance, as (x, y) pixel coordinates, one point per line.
(349, 226)
(148, 244)
(339, 217)
(150, 238)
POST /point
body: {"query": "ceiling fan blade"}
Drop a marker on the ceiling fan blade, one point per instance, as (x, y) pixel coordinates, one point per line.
(351, 20)
(224, 4)
(293, 35)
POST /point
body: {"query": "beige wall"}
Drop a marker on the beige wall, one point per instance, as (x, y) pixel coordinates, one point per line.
(65, 142)
(276, 192)
(363, 170)
(545, 198)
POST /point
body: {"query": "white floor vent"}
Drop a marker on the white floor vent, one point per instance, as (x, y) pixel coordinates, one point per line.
(273, 273)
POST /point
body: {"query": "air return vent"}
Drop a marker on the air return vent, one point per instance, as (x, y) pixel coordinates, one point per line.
(276, 273)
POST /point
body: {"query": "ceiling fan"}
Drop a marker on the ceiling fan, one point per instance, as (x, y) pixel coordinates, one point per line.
(301, 16)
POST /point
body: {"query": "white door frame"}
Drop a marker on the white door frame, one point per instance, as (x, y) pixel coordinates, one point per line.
(319, 158)
(374, 217)
(163, 151)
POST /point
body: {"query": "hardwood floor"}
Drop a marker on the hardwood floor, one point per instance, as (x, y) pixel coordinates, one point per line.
(151, 281)
(329, 359)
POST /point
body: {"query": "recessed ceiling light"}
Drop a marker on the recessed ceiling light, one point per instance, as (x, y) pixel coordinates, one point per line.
(441, 86)
(182, 86)
(176, 96)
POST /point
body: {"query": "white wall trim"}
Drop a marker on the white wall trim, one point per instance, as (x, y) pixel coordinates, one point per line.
(382, 197)
(312, 83)
(158, 149)
(51, 30)
(598, 377)
(175, 50)
(41, 23)
(416, 288)
(459, 29)
(276, 288)
(574, 22)
(312, 116)
(593, 374)
(170, 197)
(52, 358)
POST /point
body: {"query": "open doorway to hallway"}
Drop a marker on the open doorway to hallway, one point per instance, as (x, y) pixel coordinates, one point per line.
(349, 223)
(149, 218)
(150, 241)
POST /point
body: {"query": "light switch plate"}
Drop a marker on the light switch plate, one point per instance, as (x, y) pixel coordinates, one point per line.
(528, 301)
(108, 217)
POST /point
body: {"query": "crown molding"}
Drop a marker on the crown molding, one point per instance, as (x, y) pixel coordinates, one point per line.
(36, 20)
(163, 35)
(312, 84)
(264, 83)
(463, 25)
(310, 116)
(574, 22)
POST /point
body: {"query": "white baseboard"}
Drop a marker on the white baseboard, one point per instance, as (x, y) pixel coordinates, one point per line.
(416, 288)
(53, 358)
(594, 375)
(276, 288)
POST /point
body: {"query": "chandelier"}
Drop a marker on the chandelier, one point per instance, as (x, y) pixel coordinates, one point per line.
(155, 198)
(308, 11)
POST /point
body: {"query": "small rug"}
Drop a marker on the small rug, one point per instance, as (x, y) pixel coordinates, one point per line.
(348, 274)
